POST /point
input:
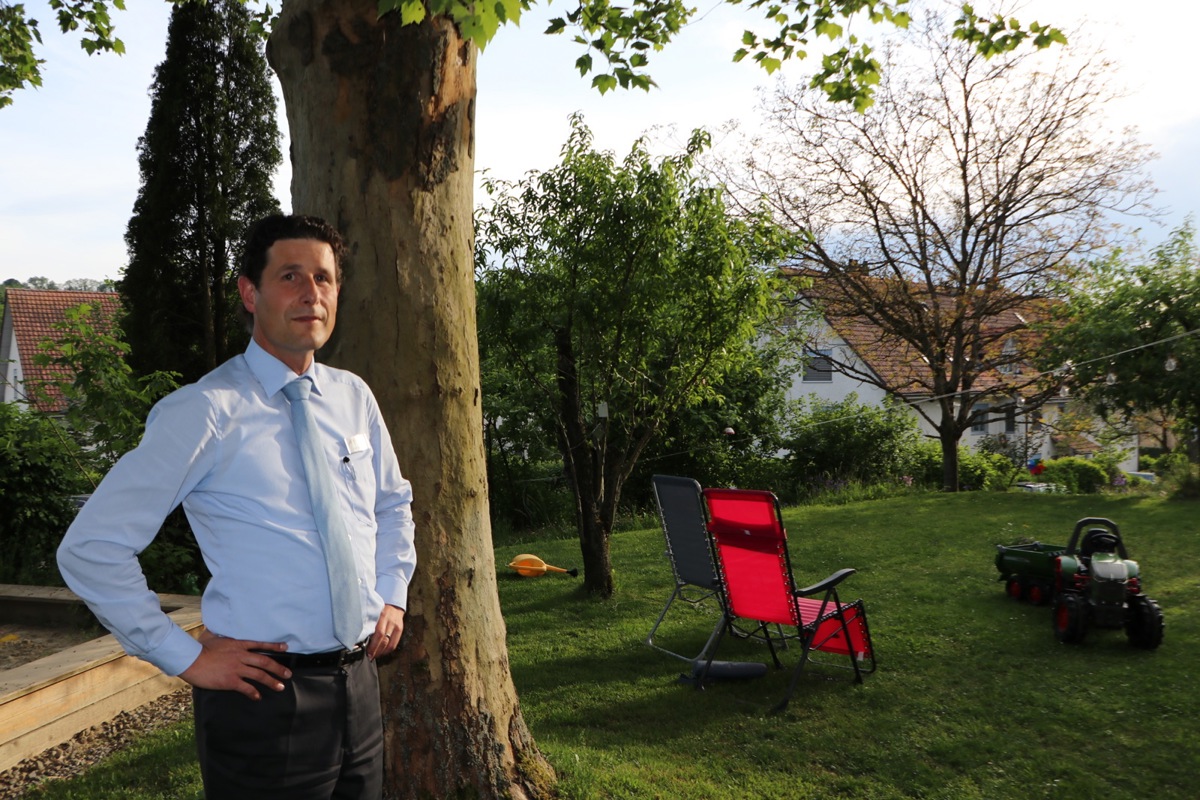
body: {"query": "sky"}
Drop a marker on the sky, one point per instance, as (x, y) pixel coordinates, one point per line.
(68, 169)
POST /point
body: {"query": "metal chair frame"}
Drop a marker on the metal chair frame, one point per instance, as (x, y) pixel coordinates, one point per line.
(681, 509)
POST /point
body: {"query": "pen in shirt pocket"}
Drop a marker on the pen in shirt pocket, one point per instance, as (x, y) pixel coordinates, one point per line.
(354, 444)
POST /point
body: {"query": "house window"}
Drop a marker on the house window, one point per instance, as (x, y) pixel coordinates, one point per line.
(818, 368)
(1008, 354)
(1010, 420)
(980, 425)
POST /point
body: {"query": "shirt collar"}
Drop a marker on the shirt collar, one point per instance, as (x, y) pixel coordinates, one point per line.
(272, 373)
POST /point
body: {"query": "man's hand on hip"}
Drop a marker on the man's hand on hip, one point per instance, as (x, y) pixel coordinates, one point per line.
(230, 665)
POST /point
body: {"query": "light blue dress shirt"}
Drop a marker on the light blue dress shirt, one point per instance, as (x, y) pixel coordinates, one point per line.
(224, 447)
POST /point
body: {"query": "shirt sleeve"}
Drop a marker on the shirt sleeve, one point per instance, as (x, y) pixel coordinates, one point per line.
(98, 554)
(395, 549)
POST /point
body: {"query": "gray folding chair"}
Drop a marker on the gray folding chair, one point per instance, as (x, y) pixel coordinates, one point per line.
(681, 507)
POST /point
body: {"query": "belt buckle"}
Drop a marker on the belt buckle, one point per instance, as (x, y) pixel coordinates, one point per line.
(348, 656)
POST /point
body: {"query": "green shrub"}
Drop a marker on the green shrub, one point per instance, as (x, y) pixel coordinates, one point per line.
(527, 495)
(924, 464)
(976, 470)
(39, 471)
(1187, 484)
(983, 471)
(45, 462)
(1164, 464)
(833, 445)
(1109, 459)
(1077, 475)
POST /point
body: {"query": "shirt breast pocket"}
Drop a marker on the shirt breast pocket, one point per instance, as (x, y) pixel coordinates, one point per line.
(358, 475)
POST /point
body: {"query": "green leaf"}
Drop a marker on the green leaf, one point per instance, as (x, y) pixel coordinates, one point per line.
(411, 11)
(604, 83)
(509, 11)
(830, 30)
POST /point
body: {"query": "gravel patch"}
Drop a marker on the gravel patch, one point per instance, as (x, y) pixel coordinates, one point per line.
(88, 747)
(21, 644)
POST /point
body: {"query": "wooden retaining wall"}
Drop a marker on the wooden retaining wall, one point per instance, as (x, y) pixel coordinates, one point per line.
(46, 702)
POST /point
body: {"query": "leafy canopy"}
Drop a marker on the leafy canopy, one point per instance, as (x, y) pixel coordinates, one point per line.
(617, 39)
(1129, 333)
(611, 296)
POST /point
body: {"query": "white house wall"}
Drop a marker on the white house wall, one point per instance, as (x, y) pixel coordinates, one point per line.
(841, 386)
(10, 362)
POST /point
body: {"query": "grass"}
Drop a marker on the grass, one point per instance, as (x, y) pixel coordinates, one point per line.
(973, 697)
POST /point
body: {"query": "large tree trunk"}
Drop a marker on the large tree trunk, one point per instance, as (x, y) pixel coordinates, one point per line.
(382, 124)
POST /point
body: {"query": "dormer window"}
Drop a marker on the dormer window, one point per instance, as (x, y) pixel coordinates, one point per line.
(1007, 354)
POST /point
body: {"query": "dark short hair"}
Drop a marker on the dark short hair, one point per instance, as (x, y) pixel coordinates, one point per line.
(269, 230)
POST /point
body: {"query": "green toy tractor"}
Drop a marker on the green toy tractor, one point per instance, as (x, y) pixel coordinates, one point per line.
(1092, 583)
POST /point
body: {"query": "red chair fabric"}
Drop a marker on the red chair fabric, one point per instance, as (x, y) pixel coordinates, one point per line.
(751, 546)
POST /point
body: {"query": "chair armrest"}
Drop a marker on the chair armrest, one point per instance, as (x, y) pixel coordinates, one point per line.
(827, 584)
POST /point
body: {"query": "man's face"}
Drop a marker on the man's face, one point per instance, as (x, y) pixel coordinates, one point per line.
(295, 303)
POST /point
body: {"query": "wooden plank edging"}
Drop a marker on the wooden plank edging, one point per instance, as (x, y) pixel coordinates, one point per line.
(46, 702)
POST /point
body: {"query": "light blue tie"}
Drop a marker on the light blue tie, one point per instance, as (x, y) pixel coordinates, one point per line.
(343, 577)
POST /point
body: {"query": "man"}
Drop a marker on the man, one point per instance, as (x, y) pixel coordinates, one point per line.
(284, 708)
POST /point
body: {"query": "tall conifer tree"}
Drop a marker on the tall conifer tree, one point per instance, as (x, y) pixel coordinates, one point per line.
(206, 159)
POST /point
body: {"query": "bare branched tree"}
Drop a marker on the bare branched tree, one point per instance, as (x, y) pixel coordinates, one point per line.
(945, 217)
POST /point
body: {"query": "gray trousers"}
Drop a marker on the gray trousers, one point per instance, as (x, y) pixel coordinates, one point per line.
(321, 738)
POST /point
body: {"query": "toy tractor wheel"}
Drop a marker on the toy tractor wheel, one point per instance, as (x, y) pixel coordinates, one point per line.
(1070, 618)
(1015, 589)
(1144, 623)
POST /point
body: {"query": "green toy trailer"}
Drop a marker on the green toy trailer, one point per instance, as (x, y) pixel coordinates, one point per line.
(1092, 582)
(1029, 570)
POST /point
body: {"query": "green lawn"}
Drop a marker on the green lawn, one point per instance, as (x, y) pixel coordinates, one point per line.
(973, 697)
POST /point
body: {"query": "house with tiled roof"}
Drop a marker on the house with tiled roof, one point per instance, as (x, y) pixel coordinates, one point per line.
(847, 353)
(30, 316)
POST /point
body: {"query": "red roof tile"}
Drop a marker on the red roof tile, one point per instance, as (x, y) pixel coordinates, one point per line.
(34, 313)
(896, 361)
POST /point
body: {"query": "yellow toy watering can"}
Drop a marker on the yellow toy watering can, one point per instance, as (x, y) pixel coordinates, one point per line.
(530, 566)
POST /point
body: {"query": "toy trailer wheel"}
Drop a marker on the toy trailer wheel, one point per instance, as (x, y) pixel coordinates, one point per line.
(1144, 623)
(1038, 593)
(1015, 589)
(1070, 618)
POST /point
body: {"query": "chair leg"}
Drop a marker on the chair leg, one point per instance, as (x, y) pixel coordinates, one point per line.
(782, 705)
(661, 617)
(698, 679)
(771, 645)
(712, 638)
(858, 678)
(677, 594)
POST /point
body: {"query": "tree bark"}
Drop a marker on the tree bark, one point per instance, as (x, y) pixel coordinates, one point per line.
(949, 441)
(381, 118)
(584, 471)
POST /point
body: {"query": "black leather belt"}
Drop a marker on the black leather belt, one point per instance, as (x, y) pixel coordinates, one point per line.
(333, 658)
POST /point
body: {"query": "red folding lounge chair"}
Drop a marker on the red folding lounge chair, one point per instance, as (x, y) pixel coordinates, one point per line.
(756, 574)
